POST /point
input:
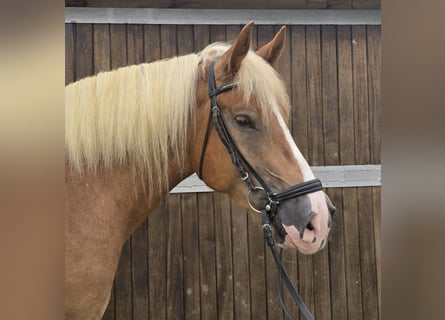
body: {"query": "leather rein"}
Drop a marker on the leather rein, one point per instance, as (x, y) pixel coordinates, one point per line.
(269, 211)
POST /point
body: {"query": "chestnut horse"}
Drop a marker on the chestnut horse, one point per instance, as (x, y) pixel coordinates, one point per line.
(132, 134)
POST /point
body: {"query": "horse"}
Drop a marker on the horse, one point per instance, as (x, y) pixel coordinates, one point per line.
(133, 133)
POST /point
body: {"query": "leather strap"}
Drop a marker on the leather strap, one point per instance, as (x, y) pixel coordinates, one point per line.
(281, 272)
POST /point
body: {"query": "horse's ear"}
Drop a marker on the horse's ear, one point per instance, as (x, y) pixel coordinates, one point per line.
(272, 50)
(238, 51)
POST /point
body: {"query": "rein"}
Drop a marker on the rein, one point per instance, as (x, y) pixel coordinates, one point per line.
(268, 213)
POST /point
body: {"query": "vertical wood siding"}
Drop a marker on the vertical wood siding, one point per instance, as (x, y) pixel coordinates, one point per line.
(199, 256)
(295, 4)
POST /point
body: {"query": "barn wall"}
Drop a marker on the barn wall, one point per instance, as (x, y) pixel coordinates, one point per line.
(235, 4)
(200, 256)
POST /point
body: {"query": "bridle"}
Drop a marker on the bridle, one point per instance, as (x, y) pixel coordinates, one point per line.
(269, 211)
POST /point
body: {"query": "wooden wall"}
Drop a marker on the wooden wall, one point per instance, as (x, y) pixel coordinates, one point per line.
(199, 256)
(232, 4)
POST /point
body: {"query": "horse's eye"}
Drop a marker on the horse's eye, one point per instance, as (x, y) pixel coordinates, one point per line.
(244, 121)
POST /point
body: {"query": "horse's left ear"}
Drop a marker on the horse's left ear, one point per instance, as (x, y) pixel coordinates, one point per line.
(272, 51)
(238, 51)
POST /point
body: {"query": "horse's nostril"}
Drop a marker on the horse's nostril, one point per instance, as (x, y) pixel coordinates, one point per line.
(310, 226)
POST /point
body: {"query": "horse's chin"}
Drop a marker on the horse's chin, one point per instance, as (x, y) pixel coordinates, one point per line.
(301, 246)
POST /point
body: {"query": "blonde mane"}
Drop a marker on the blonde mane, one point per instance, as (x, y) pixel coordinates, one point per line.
(141, 114)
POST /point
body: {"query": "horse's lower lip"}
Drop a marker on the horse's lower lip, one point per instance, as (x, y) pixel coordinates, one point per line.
(302, 246)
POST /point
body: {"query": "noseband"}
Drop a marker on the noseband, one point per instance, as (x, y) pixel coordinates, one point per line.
(270, 209)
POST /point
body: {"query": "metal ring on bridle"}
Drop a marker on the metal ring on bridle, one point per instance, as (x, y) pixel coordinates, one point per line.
(254, 189)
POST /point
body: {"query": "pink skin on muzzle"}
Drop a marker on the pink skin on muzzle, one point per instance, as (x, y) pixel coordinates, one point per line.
(316, 237)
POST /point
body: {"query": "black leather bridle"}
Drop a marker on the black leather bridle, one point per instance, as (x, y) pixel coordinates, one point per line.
(269, 211)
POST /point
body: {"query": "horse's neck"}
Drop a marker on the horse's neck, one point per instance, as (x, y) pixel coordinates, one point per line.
(116, 199)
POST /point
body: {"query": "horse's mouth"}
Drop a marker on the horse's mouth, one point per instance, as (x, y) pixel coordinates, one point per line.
(310, 240)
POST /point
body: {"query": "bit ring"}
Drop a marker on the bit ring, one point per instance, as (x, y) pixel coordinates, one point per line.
(254, 189)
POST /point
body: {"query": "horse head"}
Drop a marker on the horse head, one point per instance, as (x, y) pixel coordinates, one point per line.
(253, 108)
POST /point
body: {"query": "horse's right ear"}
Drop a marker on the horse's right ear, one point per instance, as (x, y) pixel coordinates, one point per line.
(238, 51)
(272, 50)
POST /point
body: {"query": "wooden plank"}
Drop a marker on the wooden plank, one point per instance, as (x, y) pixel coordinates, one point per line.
(168, 41)
(157, 261)
(83, 51)
(313, 60)
(345, 96)
(118, 46)
(337, 258)
(122, 284)
(376, 212)
(101, 45)
(201, 37)
(352, 254)
(240, 251)
(367, 255)
(257, 270)
(374, 90)
(207, 256)
(70, 57)
(360, 95)
(330, 286)
(299, 94)
(152, 43)
(366, 4)
(135, 44)
(363, 155)
(139, 269)
(185, 44)
(175, 269)
(330, 95)
(224, 263)
(290, 262)
(218, 34)
(305, 281)
(324, 307)
(339, 4)
(190, 241)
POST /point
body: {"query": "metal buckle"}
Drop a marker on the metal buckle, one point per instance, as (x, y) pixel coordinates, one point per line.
(272, 204)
